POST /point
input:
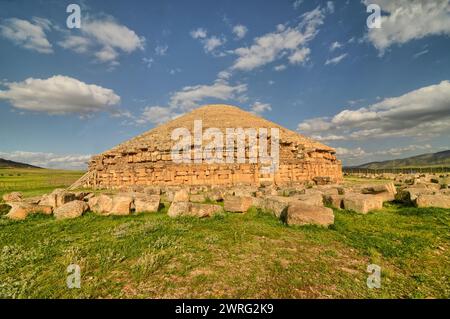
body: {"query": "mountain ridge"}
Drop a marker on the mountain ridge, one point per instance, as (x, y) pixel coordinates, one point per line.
(441, 158)
(4, 163)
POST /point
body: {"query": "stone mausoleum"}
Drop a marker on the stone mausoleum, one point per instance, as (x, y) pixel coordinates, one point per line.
(146, 159)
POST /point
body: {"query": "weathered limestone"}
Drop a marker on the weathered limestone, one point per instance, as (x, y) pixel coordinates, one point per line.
(181, 196)
(237, 204)
(362, 203)
(299, 213)
(57, 198)
(410, 194)
(146, 160)
(177, 209)
(314, 200)
(276, 204)
(101, 204)
(197, 198)
(147, 203)
(20, 211)
(335, 201)
(12, 197)
(72, 209)
(121, 205)
(441, 201)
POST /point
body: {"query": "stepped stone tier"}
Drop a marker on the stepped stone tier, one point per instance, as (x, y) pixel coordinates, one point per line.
(146, 159)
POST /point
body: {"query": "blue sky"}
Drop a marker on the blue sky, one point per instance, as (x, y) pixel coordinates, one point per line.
(311, 66)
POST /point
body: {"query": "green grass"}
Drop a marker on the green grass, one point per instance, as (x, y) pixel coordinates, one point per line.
(250, 255)
(34, 182)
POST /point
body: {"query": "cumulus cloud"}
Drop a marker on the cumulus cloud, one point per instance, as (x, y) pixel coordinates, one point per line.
(161, 50)
(199, 33)
(285, 41)
(190, 97)
(336, 60)
(424, 112)
(280, 67)
(59, 95)
(48, 160)
(76, 43)
(156, 115)
(297, 4)
(335, 45)
(105, 38)
(259, 107)
(210, 44)
(406, 20)
(240, 31)
(350, 153)
(28, 34)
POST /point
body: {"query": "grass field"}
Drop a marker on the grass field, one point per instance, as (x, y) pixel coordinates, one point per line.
(33, 182)
(249, 255)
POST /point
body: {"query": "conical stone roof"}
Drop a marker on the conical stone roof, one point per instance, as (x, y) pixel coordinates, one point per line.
(147, 158)
(212, 116)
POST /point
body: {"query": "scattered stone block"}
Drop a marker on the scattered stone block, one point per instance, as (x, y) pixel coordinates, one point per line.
(72, 209)
(238, 204)
(181, 196)
(147, 203)
(20, 211)
(177, 209)
(336, 201)
(101, 204)
(12, 197)
(299, 213)
(362, 203)
(440, 201)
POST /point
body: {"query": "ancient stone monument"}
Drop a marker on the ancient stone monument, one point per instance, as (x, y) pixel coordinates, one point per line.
(147, 159)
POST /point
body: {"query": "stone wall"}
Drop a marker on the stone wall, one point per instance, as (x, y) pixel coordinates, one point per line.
(157, 168)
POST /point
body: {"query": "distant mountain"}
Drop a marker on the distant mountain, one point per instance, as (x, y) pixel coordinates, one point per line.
(424, 160)
(11, 164)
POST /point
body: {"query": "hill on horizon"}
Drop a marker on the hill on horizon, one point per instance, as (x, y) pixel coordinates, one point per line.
(418, 161)
(11, 164)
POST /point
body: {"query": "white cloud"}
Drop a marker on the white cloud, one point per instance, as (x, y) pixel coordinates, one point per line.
(330, 6)
(259, 107)
(297, 4)
(199, 33)
(212, 43)
(299, 56)
(29, 35)
(190, 97)
(406, 20)
(224, 75)
(148, 62)
(280, 67)
(105, 38)
(285, 41)
(359, 155)
(424, 112)
(48, 160)
(76, 43)
(336, 60)
(335, 45)
(156, 115)
(161, 50)
(59, 95)
(418, 54)
(347, 153)
(240, 31)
